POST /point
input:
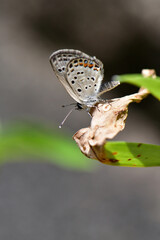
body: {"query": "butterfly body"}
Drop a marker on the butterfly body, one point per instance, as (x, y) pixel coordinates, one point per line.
(81, 75)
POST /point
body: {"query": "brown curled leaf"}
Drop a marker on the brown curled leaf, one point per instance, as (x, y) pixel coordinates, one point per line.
(108, 119)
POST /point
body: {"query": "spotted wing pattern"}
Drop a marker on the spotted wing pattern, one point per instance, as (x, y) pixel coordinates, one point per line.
(59, 61)
(81, 75)
(85, 76)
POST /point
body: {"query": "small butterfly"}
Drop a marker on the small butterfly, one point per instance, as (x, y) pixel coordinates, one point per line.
(81, 75)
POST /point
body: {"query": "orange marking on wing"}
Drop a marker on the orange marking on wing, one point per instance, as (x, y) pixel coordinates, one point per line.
(90, 65)
(95, 69)
(81, 64)
(85, 64)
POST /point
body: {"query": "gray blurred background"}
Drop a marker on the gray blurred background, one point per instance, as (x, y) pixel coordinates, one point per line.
(40, 201)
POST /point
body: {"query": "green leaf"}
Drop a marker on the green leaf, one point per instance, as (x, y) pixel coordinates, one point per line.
(19, 141)
(132, 154)
(152, 84)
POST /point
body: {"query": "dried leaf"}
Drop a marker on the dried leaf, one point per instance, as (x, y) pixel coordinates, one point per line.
(108, 119)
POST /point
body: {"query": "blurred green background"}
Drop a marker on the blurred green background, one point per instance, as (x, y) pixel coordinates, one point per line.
(44, 201)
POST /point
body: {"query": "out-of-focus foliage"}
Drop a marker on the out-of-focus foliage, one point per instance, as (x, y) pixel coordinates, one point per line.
(152, 84)
(24, 140)
(21, 140)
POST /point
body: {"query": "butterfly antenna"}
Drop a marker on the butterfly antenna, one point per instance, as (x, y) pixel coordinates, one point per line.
(66, 117)
(67, 105)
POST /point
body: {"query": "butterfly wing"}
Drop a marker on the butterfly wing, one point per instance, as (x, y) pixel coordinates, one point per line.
(108, 86)
(81, 75)
(59, 61)
(85, 76)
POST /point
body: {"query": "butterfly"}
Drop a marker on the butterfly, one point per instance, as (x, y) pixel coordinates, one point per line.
(81, 75)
